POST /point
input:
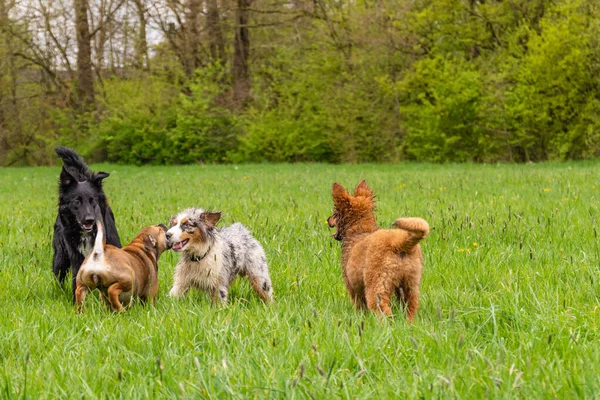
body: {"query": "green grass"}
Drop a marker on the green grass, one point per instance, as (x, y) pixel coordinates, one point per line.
(509, 300)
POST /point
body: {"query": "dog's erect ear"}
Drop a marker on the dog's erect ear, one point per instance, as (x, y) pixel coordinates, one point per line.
(98, 177)
(363, 190)
(340, 195)
(163, 227)
(149, 242)
(211, 218)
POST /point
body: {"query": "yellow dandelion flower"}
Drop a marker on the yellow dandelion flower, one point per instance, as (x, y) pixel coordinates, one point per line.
(475, 244)
(501, 197)
(547, 189)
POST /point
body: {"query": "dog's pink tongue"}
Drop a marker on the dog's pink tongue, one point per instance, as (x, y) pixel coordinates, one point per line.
(177, 246)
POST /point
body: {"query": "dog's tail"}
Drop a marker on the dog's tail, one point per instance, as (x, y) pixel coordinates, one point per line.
(100, 239)
(73, 163)
(417, 229)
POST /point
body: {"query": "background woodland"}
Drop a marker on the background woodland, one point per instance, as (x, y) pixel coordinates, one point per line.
(211, 81)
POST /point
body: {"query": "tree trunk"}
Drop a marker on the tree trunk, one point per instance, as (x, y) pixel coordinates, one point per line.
(241, 51)
(99, 40)
(143, 61)
(215, 34)
(192, 37)
(85, 88)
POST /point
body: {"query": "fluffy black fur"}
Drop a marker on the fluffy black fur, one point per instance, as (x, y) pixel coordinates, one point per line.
(79, 191)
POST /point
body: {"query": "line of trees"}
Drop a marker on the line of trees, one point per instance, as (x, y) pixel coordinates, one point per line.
(186, 81)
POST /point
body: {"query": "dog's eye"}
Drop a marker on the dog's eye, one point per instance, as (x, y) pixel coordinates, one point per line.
(76, 202)
(185, 225)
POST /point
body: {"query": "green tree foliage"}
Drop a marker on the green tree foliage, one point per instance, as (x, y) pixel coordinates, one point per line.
(441, 104)
(435, 80)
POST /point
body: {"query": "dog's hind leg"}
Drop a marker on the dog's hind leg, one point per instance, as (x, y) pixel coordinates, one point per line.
(261, 282)
(114, 291)
(378, 298)
(257, 271)
(411, 294)
(80, 294)
(262, 286)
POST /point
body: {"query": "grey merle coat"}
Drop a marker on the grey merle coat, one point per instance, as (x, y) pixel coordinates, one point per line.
(212, 258)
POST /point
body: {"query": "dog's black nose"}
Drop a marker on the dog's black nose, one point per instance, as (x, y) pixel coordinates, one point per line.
(168, 235)
(89, 221)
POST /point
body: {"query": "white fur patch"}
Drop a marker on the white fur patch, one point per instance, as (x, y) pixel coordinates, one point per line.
(94, 265)
(85, 245)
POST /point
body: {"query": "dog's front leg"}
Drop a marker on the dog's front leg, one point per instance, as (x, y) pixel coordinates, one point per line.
(178, 290)
(219, 294)
(60, 262)
(80, 294)
(114, 291)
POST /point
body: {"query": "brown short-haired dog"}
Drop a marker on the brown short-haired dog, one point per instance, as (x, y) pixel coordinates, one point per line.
(121, 274)
(377, 262)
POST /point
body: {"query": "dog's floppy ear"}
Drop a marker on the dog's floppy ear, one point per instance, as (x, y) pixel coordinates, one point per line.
(332, 221)
(211, 218)
(340, 195)
(67, 178)
(363, 190)
(149, 243)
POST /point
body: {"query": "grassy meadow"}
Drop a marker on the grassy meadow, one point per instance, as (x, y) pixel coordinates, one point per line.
(510, 298)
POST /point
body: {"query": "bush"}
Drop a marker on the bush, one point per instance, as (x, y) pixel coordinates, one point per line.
(150, 122)
(205, 130)
(441, 101)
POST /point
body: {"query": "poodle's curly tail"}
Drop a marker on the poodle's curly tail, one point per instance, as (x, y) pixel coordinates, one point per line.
(417, 229)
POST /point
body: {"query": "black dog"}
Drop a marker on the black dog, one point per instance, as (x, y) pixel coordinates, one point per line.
(79, 191)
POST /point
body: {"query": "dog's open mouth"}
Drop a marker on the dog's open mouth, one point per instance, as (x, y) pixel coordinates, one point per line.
(180, 245)
(87, 228)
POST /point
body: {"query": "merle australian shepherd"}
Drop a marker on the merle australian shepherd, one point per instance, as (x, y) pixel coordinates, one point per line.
(79, 191)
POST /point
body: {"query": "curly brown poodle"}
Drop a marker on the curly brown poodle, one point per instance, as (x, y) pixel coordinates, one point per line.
(377, 263)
